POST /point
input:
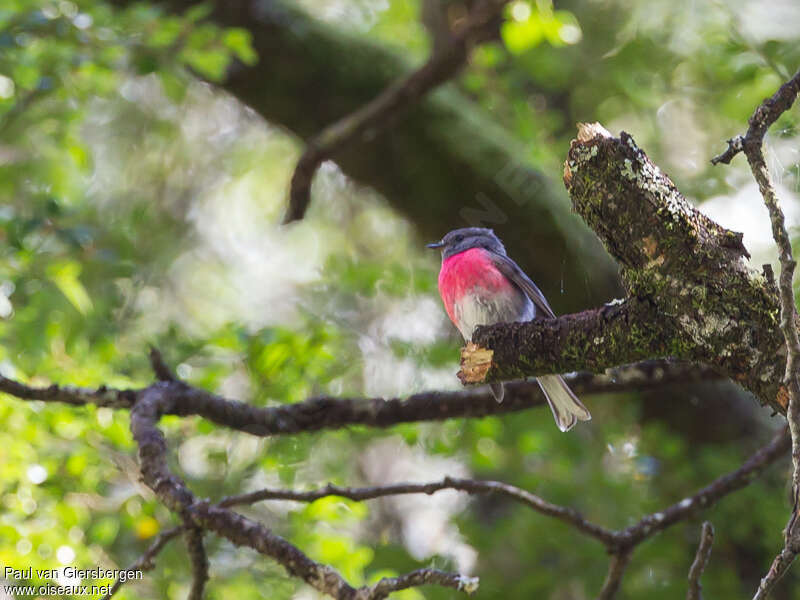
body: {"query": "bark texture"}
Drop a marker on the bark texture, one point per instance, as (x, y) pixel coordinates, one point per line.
(691, 292)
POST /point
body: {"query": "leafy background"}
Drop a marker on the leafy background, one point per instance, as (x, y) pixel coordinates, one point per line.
(139, 205)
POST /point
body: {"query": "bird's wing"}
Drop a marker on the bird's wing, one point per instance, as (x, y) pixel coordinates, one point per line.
(512, 271)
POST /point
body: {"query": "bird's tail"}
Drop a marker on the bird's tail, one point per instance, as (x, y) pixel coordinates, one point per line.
(498, 391)
(566, 407)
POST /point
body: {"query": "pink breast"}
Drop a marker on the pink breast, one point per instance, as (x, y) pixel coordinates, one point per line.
(471, 271)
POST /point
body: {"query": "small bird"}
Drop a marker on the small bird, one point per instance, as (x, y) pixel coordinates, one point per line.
(481, 285)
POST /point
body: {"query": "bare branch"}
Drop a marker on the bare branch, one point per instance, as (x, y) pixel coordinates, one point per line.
(617, 542)
(472, 486)
(416, 578)
(145, 561)
(199, 560)
(378, 114)
(160, 367)
(710, 494)
(616, 569)
(777, 569)
(752, 145)
(325, 412)
(762, 119)
(173, 493)
(102, 396)
(700, 562)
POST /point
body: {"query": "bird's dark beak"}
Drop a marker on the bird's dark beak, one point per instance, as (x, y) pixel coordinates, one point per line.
(435, 245)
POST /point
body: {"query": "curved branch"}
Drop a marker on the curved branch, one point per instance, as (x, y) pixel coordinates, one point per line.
(471, 486)
(617, 542)
(173, 493)
(752, 144)
(379, 114)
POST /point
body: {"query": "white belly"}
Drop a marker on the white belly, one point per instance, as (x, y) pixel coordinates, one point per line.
(484, 309)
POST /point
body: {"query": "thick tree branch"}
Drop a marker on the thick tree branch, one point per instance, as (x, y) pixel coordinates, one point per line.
(700, 561)
(691, 294)
(592, 340)
(383, 111)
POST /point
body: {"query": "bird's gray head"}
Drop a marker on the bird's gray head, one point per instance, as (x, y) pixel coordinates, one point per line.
(460, 240)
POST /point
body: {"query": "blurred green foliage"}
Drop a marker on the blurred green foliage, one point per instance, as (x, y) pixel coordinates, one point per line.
(138, 206)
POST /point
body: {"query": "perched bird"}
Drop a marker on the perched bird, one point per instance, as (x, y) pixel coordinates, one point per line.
(481, 285)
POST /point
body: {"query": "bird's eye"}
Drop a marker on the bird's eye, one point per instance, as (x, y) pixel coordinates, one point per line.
(459, 238)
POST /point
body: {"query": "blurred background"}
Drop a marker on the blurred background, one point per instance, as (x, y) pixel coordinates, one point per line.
(145, 158)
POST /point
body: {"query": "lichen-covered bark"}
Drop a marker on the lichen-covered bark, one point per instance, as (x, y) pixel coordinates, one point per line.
(706, 304)
(592, 340)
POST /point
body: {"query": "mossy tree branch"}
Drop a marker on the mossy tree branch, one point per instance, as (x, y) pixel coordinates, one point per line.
(691, 294)
(451, 164)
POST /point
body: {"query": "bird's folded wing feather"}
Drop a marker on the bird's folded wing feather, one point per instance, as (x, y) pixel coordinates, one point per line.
(512, 271)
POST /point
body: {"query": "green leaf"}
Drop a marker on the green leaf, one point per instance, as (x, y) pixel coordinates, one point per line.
(240, 42)
(520, 36)
(65, 276)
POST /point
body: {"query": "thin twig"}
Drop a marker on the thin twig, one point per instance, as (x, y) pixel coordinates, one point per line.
(752, 145)
(145, 561)
(700, 562)
(199, 560)
(616, 569)
(615, 541)
(472, 486)
(160, 367)
(382, 111)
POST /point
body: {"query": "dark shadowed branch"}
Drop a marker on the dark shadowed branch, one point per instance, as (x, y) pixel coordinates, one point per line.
(325, 412)
(173, 493)
(481, 24)
(700, 562)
